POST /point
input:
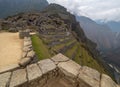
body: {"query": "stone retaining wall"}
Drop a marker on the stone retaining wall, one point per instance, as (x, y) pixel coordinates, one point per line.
(28, 52)
(28, 55)
(59, 71)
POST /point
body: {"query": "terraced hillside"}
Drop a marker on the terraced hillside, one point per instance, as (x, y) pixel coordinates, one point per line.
(57, 38)
(57, 32)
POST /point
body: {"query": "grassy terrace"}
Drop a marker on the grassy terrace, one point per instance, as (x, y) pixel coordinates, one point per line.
(70, 52)
(59, 46)
(82, 57)
(40, 48)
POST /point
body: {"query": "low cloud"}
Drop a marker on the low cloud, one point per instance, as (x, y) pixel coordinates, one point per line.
(108, 10)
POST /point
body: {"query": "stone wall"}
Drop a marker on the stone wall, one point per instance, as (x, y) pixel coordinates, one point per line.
(24, 33)
(28, 56)
(59, 71)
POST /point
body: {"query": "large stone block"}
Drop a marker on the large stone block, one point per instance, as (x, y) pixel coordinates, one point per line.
(89, 77)
(27, 43)
(4, 79)
(18, 78)
(9, 68)
(24, 54)
(69, 68)
(60, 58)
(31, 54)
(25, 61)
(27, 39)
(23, 34)
(34, 72)
(27, 49)
(106, 81)
(46, 65)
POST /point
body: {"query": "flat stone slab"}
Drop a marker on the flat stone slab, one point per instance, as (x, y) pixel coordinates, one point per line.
(31, 54)
(18, 78)
(9, 68)
(69, 68)
(34, 72)
(25, 61)
(60, 58)
(89, 76)
(106, 81)
(4, 79)
(46, 65)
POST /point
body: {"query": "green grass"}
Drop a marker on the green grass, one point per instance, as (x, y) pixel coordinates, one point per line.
(40, 48)
(59, 46)
(83, 58)
(70, 52)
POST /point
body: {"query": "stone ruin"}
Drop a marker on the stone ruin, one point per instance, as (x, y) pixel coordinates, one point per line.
(24, 33)
(28, 56)
(59, 71)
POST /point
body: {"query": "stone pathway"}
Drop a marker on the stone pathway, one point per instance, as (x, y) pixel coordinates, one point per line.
(10, 49)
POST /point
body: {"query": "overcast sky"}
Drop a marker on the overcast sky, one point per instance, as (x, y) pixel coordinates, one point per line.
(95, 9)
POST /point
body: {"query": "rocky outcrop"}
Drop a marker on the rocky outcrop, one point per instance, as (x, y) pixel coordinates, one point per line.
(58, 71)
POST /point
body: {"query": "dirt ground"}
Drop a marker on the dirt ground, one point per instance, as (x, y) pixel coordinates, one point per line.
(10, 48)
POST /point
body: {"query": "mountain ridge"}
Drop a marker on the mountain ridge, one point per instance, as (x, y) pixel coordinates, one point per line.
(12, 7)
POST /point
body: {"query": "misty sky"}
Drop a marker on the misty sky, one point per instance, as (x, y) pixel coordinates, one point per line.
(106, 10)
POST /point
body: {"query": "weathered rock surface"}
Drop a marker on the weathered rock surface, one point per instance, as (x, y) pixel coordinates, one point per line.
(4, 79)
(31, 54)
(27, 38)
(23, 34)
(26, 49)
(34, 72)
(9, 68)
(18, 78)
(27, 43)
(69, 68)
(106, 81)
(89, 76)
(24, 61)
(60, 58)
(46, 65)
(24, 54)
